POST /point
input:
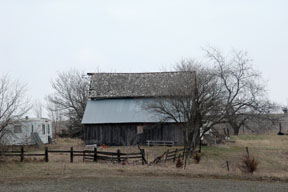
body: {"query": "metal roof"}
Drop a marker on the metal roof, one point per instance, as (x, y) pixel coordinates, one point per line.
(119, 111)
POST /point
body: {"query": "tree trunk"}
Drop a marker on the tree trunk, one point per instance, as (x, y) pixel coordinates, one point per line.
(193, 133)
(236, 127)
(236, 130)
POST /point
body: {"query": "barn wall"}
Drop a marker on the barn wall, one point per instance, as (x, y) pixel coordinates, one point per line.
(126, 134)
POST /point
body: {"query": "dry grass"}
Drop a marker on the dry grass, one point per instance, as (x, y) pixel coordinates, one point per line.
(271, 151)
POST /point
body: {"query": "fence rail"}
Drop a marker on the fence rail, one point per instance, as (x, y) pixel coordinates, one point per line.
(170, 155)
(89, 155)
(95, 155)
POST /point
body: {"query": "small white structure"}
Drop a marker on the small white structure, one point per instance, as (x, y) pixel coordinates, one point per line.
(29, 131)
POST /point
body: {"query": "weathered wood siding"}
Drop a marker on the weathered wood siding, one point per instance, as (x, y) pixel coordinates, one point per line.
(126, 134)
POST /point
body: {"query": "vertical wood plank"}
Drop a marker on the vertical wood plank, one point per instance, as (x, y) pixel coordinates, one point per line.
(143, 156)
(174, 159)
(71, 155)
(166, 156)
(118, 156)
(95, 154)
(84, 153)
(46, 154)
(22, 154)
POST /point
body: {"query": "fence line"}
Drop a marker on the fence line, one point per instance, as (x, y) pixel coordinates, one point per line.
(91, 155)
(95, 155)
(170, 155)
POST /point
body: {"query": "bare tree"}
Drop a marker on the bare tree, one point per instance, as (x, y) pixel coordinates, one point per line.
(192, 101)
(228, 91)
(210, 92)
(244, 91)
(13, 104)
(55, 115)
(70, 96)
(38, 109)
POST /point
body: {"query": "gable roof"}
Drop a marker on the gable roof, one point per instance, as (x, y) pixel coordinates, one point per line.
(121, 85)
(104, 111)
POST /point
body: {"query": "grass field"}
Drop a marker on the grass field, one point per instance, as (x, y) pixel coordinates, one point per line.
(270, 151)
(141, 184)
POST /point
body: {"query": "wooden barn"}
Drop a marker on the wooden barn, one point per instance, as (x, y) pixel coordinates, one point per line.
(116, 112)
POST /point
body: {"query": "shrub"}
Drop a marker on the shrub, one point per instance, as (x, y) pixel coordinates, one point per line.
(179, 162)
(64, 133)
(197, 157)
(248, 164)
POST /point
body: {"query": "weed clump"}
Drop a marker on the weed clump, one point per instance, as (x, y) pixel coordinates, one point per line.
(179, 162)
(197, 157)
(248, 164)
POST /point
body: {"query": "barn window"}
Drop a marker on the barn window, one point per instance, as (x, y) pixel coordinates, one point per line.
(17, 129)
(48, 129)
(43, 129)
(140, 129)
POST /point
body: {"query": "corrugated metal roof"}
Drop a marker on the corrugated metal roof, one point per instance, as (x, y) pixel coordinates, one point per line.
(119, 111)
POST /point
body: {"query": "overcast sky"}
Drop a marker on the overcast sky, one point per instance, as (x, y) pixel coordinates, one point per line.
(39, 38)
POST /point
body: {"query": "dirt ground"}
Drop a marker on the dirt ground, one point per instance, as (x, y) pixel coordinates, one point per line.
(141, 184)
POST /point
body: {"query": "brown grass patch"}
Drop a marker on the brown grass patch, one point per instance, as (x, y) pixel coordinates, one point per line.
(271, 151)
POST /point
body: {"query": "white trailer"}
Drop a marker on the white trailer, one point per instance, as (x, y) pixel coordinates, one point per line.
(28, 131)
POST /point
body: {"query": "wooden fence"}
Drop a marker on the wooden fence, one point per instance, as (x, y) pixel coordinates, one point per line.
(169, 155)
(88, 155)
(95, 155)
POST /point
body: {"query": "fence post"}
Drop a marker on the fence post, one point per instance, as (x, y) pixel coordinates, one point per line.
(174, 159)
(71, 155)
(118, 156)
(166, 156)
(184, 152)
(227, 164)
(143, 156)
(46, 154)
(84, 155)
(22, 154)
(248, 155)
(95, 154)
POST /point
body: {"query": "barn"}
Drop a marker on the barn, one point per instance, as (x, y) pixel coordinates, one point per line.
(116, 112)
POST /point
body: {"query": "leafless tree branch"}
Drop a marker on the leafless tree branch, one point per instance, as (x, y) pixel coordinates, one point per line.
(13, 103)
(70, 97)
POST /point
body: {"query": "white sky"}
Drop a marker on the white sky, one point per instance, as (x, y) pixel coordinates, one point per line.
(39, 38)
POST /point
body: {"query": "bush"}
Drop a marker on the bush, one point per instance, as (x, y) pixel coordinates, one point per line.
(248, 164)
(197, 157)
(179, 162)
(64, 133)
